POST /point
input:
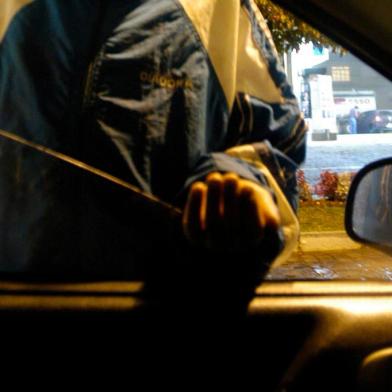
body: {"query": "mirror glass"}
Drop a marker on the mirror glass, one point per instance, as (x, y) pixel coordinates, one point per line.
(372, 209)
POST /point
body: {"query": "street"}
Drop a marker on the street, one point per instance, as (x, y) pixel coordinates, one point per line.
(348, 153)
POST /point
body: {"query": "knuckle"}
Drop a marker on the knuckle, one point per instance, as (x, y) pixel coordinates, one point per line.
(214, 177)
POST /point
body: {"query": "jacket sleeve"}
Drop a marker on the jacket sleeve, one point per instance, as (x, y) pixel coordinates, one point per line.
(264, 112)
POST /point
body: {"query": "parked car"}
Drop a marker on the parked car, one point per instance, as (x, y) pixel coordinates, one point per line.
(375, 121)
(370, 121)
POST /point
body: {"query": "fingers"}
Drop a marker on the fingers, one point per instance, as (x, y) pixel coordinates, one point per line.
(252, 221)
(230, 196)
(232, 215)
(214, 211)
(258, 213)
(221, 209)
(259, 206)
(203, 214)
(226, 211)
(194, 214)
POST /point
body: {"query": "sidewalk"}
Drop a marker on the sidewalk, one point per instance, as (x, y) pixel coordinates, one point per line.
(333, 256)
(326, 241)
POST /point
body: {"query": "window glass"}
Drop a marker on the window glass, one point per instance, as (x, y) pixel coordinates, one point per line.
(348, 107)
(340, 74)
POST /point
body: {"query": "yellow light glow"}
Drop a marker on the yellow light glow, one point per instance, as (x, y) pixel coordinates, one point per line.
(367, 306)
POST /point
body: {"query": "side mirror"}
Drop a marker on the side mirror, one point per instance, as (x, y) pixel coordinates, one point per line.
(368, 216)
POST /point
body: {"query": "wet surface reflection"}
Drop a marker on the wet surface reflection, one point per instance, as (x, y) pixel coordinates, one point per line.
(360, 264)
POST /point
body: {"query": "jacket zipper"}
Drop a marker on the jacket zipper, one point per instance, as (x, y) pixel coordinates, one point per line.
(95, 58)
(89, 84)
(88, 88)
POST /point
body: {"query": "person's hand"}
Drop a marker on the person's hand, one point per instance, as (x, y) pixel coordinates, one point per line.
(227, 212)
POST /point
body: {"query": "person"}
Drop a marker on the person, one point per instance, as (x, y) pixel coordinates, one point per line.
(160, 93)
(353, 119)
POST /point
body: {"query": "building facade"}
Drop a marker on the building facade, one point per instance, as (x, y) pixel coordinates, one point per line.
(356, 84)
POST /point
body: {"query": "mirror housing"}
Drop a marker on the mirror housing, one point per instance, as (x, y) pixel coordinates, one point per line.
(368, 214)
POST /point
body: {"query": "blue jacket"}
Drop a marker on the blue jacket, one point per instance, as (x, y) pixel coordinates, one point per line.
(151, 91)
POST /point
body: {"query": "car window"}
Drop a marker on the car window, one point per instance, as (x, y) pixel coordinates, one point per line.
(73, 236)
(348, 107)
